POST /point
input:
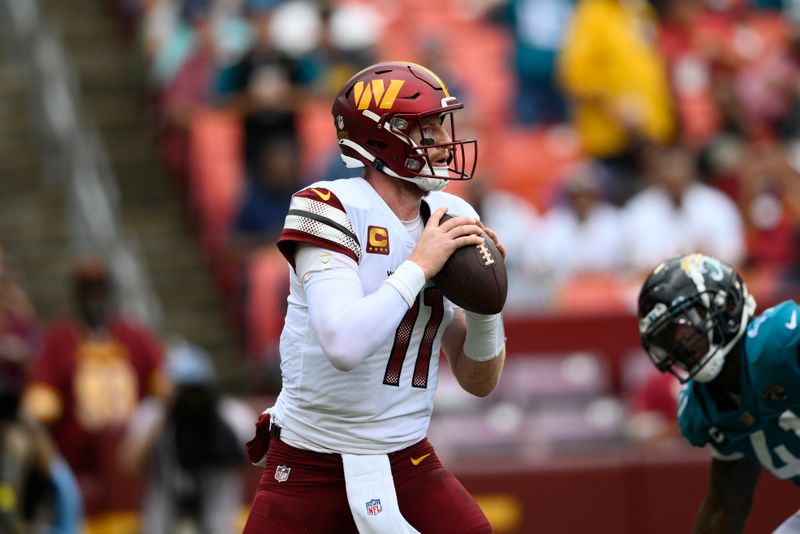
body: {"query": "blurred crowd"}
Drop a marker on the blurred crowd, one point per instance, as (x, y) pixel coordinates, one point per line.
(613, 133)
(104, 428)
(621, 132)
(686, 117)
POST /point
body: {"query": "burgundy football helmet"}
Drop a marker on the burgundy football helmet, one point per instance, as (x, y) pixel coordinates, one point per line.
(376, 112)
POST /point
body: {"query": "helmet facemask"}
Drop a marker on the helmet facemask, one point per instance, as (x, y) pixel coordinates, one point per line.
(419, 162)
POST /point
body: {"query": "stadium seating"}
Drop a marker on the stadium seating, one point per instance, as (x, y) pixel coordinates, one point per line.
(266, 297)
(536, 380)
(545, 402)
(215, 175)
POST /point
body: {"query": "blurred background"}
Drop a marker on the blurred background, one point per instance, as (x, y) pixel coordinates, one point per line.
(148, 151)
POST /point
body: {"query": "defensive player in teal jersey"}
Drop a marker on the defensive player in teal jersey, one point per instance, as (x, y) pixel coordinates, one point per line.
(742, 380)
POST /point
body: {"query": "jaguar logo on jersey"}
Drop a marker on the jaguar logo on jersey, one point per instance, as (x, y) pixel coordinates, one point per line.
(282, 473)
(384, 98)
(775, 393)
(378, 240)
(374, 507)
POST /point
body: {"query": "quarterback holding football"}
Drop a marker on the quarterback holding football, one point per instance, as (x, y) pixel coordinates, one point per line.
(344, 447)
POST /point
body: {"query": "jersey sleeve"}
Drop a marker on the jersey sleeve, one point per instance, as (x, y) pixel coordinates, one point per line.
(317, 217)
(309, 260)
(44, 396)
(772, 340)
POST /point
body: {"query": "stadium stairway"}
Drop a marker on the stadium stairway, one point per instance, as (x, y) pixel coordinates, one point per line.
(33, 230)
(112, 87)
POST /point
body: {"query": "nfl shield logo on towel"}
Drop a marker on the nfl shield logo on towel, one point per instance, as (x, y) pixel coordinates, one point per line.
(374, 507)
(282, 473)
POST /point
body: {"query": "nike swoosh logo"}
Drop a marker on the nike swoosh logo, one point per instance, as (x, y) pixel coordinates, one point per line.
(324, 196)
(792, 324)
(417, 461)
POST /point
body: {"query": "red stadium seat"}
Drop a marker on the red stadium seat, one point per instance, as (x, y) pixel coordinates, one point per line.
(317, 136)
(477, 435)
(529, 163)
(267, 276)
(216, 180)
(595, 293)
(542, 379)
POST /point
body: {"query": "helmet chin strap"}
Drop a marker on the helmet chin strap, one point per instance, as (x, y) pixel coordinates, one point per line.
(426, 184)
(711, 369)
(429, 184)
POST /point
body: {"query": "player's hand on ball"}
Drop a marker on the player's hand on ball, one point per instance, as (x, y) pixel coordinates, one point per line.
(474, 277)
(500, 248)
(439, 241)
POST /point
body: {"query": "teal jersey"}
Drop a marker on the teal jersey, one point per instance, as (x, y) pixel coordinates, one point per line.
(766, 427)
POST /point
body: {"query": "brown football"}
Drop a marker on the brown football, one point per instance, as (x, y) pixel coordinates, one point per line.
(474, 277)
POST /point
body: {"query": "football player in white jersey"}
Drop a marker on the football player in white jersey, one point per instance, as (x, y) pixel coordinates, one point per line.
(364, 326)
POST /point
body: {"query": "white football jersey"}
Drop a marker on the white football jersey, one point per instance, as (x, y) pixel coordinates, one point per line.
(384, 404)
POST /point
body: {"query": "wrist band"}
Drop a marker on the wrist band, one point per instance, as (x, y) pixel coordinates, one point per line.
(485, 336)
(408, 280)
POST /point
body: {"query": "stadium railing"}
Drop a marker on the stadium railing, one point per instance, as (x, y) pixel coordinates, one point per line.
(73, 156)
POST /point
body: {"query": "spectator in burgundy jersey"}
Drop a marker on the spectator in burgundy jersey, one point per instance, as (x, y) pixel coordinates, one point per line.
(91, 372)
(38, 488)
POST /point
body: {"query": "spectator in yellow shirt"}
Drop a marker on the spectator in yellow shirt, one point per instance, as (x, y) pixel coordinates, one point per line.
(617, 84)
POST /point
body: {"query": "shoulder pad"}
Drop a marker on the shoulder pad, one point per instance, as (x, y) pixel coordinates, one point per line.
(316, 216)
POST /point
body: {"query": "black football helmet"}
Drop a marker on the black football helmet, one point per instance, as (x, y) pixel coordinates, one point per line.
(692, 311)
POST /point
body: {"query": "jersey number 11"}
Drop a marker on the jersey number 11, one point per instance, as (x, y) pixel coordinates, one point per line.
(432, 298)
